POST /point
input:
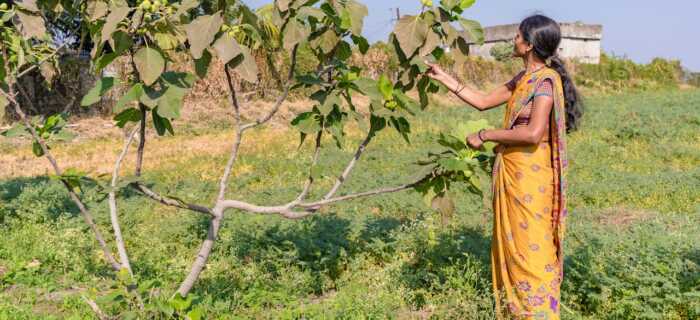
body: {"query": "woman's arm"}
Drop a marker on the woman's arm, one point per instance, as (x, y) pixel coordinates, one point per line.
(480, 100)
(521, 135)
(477, 99)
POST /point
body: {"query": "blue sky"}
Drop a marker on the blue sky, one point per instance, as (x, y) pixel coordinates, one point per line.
(638, 29)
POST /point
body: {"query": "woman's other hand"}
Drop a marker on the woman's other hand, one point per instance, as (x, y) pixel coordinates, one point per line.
(474, 141)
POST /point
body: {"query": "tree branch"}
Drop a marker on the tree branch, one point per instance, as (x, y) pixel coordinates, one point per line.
(203, 253)
(341, 179)
(113, 214)
(96, 309)
(318, 204)
(237, 140)
(140, 187)
(309, 207)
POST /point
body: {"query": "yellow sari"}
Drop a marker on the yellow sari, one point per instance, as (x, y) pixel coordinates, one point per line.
(529, 206)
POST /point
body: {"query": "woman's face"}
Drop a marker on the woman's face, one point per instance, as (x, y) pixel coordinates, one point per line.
(520, 46)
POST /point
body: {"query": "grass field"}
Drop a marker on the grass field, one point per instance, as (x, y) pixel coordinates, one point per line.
(633, 243)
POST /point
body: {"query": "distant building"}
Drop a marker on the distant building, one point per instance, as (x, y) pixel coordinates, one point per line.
(579, 41)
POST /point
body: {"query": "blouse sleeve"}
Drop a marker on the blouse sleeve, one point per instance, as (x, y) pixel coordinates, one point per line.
(544, 89)
(514, 82)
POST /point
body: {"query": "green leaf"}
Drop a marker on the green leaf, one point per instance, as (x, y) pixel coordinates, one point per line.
(29, 5)
(95, 94)
(195, 314)
(36, 148)
(467, 128)
(96, 9)
(64, 135)
(104, 60)
(201, 65)
(473, 29)
(150, 97)
(309, 79)
(327, 106)
(307, 122)
(357, 13)
(410, 32)
(180, 303)
(402, 127)
(369, 88)
(18, 130)
(295, 33)
(475, 181)
(170, 103)
(202, 31)
(464, 4)
(283, 5)
(31, 25)
(385, 87)
(361, 43)
(452, 142)
(376, 124)
(48, 71)
(175, 85)
(247, 69)
(133, 94)
(227, 48)
(165, 41)
(452, 164)
(161, 124)
(113, 19)
(150, 64)
(327, 41)
(406, 102)
(344, 51)
(126, 116)
(432, 41)
(423, 91)
(185, 6)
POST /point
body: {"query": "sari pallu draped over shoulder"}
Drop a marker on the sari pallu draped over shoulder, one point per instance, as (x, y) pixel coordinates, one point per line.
(529, 204)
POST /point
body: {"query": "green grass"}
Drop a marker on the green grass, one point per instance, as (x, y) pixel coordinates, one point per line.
(632, 247)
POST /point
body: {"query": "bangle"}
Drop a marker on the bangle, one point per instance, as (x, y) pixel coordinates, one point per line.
(460, 87)
(479, 135)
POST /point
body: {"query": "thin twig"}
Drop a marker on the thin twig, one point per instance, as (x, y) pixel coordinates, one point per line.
(96, 309)
(142, 141)
(280, 99)
(25, 71)
(113, 214)
(237, 140)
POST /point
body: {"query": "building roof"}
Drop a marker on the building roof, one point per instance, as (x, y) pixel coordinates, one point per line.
(576, 30)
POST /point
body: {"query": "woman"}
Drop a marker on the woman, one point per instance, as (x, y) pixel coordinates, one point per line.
(528, 177)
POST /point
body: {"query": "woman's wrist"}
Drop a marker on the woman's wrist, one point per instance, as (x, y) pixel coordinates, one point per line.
(452, 84)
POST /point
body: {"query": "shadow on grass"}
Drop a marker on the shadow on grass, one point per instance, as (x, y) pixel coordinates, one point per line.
(35, 198)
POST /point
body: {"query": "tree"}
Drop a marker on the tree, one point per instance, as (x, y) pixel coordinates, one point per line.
(150, 33)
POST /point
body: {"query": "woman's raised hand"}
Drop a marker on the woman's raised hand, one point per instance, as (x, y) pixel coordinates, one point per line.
(436, 73)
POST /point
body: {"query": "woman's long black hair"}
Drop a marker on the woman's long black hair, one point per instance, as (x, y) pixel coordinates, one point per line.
(544, 35)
